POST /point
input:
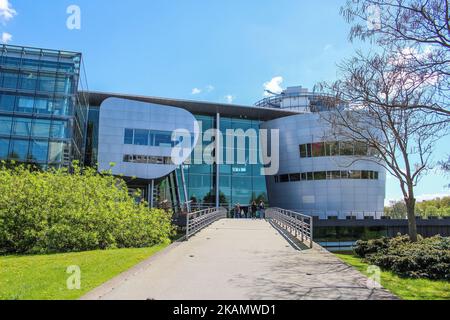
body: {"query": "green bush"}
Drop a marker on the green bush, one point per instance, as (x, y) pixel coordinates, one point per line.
(62, 211)
(426, 258)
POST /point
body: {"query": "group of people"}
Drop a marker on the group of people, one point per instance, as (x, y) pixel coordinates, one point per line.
(254, 211)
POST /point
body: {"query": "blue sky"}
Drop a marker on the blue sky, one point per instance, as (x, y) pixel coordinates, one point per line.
(211, 50)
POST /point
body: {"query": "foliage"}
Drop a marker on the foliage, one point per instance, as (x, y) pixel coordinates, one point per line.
(260, 197)
(62, 211)
(404, 288)
(426, 258)
(416, 32)
(210, 198)
(439, 207)
(35, 277)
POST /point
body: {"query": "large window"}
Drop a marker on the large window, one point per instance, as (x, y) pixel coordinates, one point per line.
(327, 175)
(129, 136)
(22, 127)
(42, 106)
(318, 149)
(62, 107)
(41, 128)
(7, 102)
(303, 153)
(28, 81)
(10, 80)
(346, 148)
(25, 104)
(147, 159)
(55, 151)
(59, 130)
(334, 148)
(63, 85)
(46, 83)
(142, 137)
(320, 175)
(163, 139)
(39, 150)
(4, 148)
(19, 150)
(5, 125)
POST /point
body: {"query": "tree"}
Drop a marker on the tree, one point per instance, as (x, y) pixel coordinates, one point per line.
(397, 210)
(417, 32)
(210, 199)
(445, 167)
(380, 112)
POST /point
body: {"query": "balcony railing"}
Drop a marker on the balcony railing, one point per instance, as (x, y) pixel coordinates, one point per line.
(199, 220)
(299, 225)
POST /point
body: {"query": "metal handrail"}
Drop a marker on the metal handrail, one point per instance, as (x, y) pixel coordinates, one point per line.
(298, 224)
(199, 220)
(275, 101)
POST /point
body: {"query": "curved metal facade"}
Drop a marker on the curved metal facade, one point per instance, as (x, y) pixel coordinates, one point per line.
(325, 197)
(140, 159)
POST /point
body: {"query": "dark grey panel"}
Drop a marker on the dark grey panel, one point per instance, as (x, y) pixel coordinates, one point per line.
(199, 107)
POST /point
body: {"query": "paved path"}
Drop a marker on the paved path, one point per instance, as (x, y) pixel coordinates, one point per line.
(239, 259)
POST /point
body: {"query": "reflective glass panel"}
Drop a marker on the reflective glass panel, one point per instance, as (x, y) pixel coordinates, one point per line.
(4, 146)
(59, 129)
(39, 150)
(25, 104)
(7, 102)
(140, 137)
(22, 126)
(128, 136)
(41, 128)
(5, 125)
(19, 150)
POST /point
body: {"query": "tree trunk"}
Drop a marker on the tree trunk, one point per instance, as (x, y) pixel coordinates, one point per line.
(412, 226)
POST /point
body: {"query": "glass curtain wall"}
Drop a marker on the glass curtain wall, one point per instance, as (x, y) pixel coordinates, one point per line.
(241, 182)
(199, 176)
(42, 118)
(238, 182)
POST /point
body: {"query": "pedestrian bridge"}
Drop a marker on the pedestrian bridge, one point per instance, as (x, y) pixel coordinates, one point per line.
(241, 259)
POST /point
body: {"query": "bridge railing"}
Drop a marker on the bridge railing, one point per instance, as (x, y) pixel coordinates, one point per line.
(196, 221)
(299, 225)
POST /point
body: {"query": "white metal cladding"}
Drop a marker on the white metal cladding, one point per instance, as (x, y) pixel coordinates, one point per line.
(118, 114)
(323, 197)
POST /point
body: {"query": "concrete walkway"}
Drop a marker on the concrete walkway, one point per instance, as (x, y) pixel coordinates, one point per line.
(239, 259)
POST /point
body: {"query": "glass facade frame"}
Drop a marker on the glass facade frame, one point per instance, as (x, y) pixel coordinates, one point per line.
(39, 93)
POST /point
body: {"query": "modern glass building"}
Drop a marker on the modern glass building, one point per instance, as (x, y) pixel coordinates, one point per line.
(195, 181)
(49, 118)
(42, 116)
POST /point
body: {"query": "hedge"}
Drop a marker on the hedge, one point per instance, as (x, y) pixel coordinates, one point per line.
(426, 258)
(61, 211)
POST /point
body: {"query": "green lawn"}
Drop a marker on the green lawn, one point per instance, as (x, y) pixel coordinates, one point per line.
(45, 277)
(405, 288)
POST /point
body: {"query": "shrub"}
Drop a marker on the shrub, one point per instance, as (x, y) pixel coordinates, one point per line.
(426, 258)
(62, 211)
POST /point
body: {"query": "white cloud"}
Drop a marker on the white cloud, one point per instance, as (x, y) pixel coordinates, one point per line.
(6, 37)
(196, 91)
(273, 85)
(328, 47)
(7, 12)
(229, 98)
(209, 88)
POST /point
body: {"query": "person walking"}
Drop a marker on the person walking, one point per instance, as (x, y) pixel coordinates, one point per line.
(262, 208)
(237, 211)
(254, 208)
